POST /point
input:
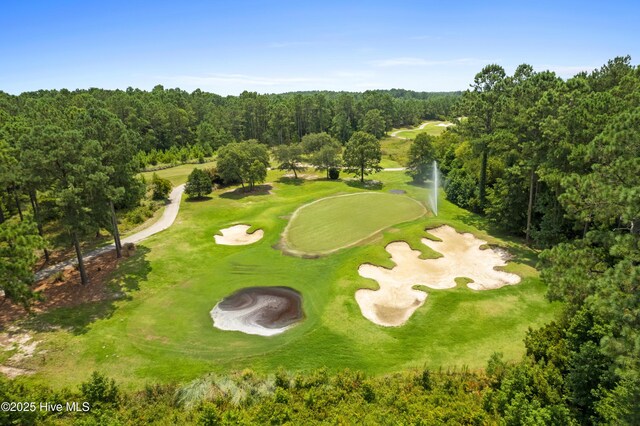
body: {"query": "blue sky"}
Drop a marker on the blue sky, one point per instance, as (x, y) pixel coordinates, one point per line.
(277, 46)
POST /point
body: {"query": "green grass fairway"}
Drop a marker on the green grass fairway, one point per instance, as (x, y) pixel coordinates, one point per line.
(329, 224)
(158, 328)
(177, 175)
(431, 128)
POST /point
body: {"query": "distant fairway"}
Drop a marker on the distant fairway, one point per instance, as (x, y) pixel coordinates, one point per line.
(177, 175)
(332, 223)
(432, 127)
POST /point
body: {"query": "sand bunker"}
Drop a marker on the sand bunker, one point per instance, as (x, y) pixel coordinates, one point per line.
(444, 124)
(259, 310)
(237, 236)
(396, 300)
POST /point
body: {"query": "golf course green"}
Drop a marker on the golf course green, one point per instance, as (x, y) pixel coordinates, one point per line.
(332, 223)
(158, 327)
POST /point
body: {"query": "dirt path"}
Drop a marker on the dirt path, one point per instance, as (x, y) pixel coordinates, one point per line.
(166, 220)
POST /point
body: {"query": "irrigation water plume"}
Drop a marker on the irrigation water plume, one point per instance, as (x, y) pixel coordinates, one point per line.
(433, 198)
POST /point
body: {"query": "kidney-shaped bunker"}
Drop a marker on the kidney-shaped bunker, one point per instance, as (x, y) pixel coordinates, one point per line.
(259, 310)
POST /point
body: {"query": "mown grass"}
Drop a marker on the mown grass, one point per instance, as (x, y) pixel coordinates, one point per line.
(161, 330)
(331, 223)
(177, 175)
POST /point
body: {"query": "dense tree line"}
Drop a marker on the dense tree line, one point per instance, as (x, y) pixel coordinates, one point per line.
(526, 142)
(558, 162)
(167, 118)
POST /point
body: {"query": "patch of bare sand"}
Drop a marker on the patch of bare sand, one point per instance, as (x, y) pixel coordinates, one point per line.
(237, 236)
(396, 299)
(462, 257)
(24, 347)
(13, 372)
(65, 290)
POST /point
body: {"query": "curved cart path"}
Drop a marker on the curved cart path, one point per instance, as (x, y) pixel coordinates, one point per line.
(166, 220)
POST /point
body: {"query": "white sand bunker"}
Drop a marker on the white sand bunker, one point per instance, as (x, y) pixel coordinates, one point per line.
(264, 311)
(237, 236)
(444, 124)
(396, 300)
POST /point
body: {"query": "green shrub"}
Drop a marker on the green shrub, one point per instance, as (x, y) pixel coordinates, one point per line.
(139, 214)
(461, 189)
(198, 184)
(160, 187)
(425, 379)
(215, 177)
(210, 415)
(334, 173)
(100, 390)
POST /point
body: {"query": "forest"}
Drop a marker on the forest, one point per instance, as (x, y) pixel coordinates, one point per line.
(554, 162)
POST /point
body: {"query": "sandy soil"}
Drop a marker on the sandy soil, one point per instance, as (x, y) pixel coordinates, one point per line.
(24, 347)
(13, 372)
(66, 290)
(395, 301)
(444, 124)
(264, 311)
(237, 236)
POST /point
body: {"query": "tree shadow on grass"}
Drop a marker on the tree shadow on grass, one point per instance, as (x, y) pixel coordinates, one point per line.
(198, 199)
(291, 180)
(424, 185)
(239, 193)
(370, 185)
(77, 318)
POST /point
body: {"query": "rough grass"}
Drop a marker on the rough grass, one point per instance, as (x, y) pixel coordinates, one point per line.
(332, 223)
(161, 330)
(395, 152)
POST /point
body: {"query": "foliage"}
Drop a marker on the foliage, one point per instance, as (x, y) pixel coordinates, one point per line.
(160, 187)
(139, 214)
(362, 154)
(373, 123)
(334, 173)
(18, 241)
(247, 398)
(591, 356)
(289, 157)
(100, 390)
(421, 156)
(461, 189)
(198, 184)
(257, 173)
(236, 162)
(314, 142)
(213, 174)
